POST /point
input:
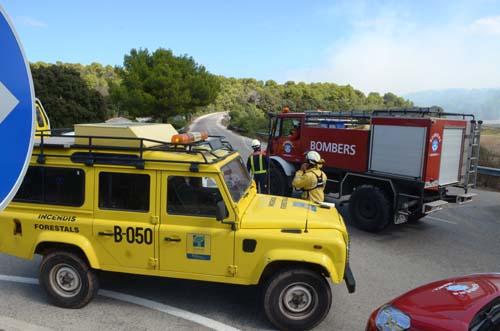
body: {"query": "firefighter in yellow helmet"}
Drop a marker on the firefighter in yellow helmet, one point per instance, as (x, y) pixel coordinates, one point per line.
(257, 166)
(311, 179)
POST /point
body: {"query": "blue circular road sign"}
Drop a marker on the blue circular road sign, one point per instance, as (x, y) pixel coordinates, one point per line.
(17, 112)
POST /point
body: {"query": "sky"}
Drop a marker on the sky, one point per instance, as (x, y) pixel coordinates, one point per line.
(398, 46)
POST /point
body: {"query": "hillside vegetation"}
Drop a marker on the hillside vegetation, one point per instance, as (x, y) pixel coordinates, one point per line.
(484, 103)
(248, 100)
(168, 87)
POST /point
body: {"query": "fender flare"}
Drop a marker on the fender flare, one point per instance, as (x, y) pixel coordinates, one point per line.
(299, 256)
(72, 239)
(372, 178)
(287, 167)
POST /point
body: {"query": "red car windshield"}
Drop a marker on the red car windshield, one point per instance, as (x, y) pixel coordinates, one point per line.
(488, 319)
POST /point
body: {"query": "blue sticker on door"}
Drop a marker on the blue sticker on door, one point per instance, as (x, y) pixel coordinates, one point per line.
(198, 247)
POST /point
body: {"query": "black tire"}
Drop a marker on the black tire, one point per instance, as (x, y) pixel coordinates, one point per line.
(279, 181)
(415, 217)
(311, 288)
(370, 208)
(68, 280)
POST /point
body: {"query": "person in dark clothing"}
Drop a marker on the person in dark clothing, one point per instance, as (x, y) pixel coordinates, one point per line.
(257, 166)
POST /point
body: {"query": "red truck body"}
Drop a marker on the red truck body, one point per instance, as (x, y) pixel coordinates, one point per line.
(417, 153)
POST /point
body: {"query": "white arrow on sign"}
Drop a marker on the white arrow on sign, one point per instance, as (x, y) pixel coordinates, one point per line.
(7, 102)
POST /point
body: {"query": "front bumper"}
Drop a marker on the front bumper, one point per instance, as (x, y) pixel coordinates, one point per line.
(350, 282)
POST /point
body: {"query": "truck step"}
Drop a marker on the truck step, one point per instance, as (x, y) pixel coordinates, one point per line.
(433, 206)
(464, 198)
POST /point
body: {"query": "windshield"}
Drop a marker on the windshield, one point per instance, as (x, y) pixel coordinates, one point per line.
(237, 178)
(488, 319)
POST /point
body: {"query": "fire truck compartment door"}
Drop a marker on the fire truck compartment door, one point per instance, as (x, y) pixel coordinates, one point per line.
(451, 156)
(398, 150)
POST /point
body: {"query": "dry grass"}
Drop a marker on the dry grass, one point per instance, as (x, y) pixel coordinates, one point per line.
(490, 156)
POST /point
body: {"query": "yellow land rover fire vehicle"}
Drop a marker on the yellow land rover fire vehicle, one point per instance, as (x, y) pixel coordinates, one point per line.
(142, 199)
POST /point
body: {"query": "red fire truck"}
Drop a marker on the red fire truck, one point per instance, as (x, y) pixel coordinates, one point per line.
(396, 165)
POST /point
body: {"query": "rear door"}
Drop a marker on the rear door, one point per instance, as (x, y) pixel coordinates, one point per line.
(125, 217)
(191, 240)
(451, 156)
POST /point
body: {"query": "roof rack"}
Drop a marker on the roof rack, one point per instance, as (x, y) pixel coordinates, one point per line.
(395, 112)
(93, 154)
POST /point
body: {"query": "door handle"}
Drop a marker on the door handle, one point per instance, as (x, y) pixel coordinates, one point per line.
(172, 239)
(106, 234)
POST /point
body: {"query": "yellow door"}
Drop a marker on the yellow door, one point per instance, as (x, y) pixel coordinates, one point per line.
(191, 240)
(125, 217)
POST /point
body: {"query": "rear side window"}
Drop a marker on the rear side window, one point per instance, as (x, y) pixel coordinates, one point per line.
(120, 191)
(53, 186)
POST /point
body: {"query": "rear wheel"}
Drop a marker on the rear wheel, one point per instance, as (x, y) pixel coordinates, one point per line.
(415, 217)
(279, 181)
(297, 299)
(370, 208)
(68, 279)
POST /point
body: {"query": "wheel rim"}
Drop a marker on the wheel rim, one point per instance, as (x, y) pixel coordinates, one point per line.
(367, 209)
(298, 301)
(65, 280)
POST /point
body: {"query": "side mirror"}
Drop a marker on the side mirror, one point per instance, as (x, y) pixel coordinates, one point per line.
(220, 211)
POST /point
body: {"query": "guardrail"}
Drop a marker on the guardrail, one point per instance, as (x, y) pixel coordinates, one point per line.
(489, 171)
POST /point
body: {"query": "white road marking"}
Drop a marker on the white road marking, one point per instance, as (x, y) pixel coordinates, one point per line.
(7, 102)
(441, 220)
(184, 314)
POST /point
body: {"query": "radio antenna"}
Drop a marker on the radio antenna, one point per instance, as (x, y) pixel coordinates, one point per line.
(307, 217)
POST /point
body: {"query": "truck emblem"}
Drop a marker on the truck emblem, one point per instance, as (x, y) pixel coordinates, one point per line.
(287, 147)
(435, 144)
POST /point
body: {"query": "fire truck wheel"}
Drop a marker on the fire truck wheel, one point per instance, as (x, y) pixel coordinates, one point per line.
(68, 280)
(370, 208)
(279, 182)
(415, 217)
(296, 299)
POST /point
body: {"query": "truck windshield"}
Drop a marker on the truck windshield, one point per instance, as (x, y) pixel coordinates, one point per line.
(237, 178)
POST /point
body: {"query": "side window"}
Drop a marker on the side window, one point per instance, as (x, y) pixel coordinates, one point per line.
(278, 127)
(290, 128)
(53, 186)
(121, 191)
(39, 118)
(192, 196)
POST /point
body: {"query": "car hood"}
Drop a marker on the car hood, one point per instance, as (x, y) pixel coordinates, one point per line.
(450, 304)
(273, 212)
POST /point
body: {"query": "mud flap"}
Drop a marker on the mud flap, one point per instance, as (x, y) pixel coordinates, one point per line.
(350, 282)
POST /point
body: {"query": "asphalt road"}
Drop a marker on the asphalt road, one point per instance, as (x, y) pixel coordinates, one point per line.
(455, 241)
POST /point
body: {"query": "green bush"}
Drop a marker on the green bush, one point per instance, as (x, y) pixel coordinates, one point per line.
(248, 100)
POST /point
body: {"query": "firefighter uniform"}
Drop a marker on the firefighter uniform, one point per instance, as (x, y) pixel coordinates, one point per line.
(312, 182)
(257, 166)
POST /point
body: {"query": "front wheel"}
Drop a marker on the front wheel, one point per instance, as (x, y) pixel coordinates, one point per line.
(68, 279)
(297, 299)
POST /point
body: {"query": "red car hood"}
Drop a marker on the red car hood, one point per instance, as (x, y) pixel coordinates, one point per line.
(449, 304)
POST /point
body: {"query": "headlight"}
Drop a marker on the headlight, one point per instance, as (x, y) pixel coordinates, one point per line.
(392, 319)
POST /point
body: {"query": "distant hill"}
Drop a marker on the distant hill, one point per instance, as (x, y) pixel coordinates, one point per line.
(485, 103)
